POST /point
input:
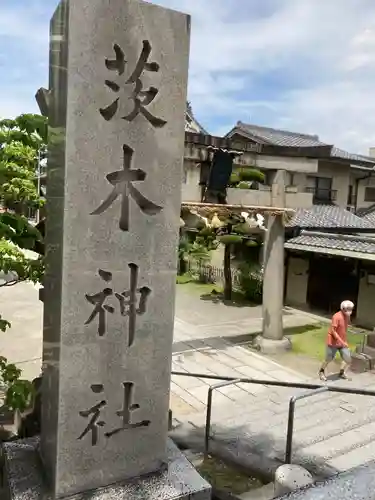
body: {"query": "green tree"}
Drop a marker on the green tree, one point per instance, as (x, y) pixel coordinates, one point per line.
(233, 231)
(21, 141)
(246, 178)
(195, 247)
(241, 231)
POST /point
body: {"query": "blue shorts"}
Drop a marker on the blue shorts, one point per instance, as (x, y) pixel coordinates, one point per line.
(344, 353)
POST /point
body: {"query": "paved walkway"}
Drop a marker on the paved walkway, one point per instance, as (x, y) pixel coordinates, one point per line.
(22, 343)
(333, 432)
(209, 318)
(217, 356)
(203, 333)
(195, 320)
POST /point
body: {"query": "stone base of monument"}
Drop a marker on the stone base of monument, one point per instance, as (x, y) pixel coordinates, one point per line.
(270, 346)
(24, 478)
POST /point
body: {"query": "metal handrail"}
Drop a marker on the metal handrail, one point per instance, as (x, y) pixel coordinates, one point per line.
(209, 411)
(278, 383)
(292, 407)
(316, 388)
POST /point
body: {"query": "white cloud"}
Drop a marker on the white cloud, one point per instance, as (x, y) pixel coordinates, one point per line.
(323, 51)
(333, 44)
(340, 112)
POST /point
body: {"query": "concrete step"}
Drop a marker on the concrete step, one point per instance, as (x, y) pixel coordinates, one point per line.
(332, 431)
(308, 417)
(353, 450)
(248, 404)
(354, 458)
(266, 492)
(338, 445)
(276, 401)
(267, 435)
(305, 416)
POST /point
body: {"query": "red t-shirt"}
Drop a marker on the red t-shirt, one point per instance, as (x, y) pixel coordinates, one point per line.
(340, 324)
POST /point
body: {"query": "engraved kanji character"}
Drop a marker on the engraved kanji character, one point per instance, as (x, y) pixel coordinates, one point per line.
(98, 300)
(94, 422)
(125, 414)
(122, 182)
(141, 98)
(128, 302)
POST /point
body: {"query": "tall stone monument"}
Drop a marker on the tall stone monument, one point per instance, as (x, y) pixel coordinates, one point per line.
(116, 107)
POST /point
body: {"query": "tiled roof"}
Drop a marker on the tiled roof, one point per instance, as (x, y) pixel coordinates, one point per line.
(328, 216)
(192, 124)
(366, 210)
(340, 153)
(369, 217)
(330, 241)
(368, 214)
(275, 137)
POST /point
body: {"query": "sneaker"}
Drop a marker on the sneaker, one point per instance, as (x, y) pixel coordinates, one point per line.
(343, 375)
(322, 376)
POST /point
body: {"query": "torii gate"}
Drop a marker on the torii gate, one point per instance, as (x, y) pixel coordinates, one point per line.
(272, 339)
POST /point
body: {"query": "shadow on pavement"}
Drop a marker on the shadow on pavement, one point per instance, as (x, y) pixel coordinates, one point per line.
(218, 298)
(258, 454)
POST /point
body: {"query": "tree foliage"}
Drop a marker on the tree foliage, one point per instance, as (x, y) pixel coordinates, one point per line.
(21, 141)
(235, 230)
(251, 281)
(195, 247)
(246, 178)
(28, 129)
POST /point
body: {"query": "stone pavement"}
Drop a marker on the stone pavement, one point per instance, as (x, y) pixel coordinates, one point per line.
(195, 319)
(217, 356)
(333, 432)
(202, 335)
(203, 317)
(22, 343)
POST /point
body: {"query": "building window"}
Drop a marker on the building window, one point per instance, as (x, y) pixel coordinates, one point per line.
(291, 179)
(321, 187)
(269, 176)
(352, 197)
(370, 194)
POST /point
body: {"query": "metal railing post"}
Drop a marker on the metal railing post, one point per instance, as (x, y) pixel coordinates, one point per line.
(313, 390)
(208, 422)
(292, 407)
(209, 411)
(289, 434)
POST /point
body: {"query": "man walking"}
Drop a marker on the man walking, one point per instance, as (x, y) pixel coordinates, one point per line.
(337, 340)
